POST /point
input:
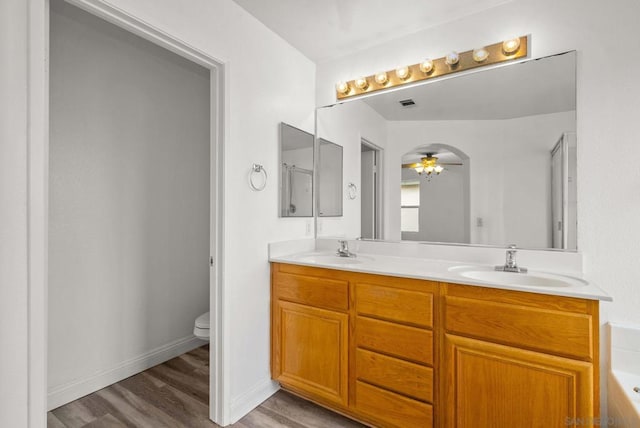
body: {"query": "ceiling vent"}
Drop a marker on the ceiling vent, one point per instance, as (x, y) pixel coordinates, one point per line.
(407, 103)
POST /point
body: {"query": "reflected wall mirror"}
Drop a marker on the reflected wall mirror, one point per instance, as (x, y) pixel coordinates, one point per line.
(481, 158)
(296, 172)
(329, 179)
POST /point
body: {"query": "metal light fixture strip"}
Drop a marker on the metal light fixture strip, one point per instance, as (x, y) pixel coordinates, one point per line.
(440, 68)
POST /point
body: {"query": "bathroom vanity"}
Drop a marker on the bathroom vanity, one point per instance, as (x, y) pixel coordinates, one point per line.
(398, 351)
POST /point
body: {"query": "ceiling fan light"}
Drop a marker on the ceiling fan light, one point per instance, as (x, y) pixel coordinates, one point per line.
(419, 169)
(438, 169)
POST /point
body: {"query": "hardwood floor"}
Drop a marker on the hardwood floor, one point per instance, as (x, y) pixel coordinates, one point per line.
(176, 394)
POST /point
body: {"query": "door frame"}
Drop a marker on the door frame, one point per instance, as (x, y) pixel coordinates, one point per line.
(38, 185)
(379, 193)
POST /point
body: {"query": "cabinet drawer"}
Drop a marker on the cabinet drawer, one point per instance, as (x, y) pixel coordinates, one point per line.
(396, 304)
(562, 333)
(393, 409)
(400, 376)
(402, 341)
(312, 291)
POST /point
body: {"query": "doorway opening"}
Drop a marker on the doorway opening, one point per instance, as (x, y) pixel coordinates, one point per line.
(135, 162)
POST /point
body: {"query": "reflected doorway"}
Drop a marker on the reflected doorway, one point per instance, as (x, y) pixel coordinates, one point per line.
(370, 190)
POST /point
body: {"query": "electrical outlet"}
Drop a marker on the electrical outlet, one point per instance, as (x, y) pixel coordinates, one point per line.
(479, 222)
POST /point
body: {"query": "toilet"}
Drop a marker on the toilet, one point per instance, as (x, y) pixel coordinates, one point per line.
(201, 327)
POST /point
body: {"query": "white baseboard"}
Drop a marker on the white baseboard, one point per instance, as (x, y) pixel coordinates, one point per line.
(78, 388)
(251, 399)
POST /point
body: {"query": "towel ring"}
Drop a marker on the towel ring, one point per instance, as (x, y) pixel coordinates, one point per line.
(257, 169)
(352, 191)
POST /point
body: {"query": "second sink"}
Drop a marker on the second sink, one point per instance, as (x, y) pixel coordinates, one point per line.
(531, 279)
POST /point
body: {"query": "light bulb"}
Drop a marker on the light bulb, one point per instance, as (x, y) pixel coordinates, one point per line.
(403, 72)
(480, 54)
(419, 169)
(426, 66)
(438, 169)
(342, 88)
(511, 46)
(381, 78)
(429, 169)
(362, 83)
(452, 58)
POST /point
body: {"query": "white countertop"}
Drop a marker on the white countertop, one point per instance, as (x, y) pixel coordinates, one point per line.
(431, 269)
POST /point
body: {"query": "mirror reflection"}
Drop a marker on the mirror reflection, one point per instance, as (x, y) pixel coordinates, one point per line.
(486, 158)
(329, 179)
(296, 172)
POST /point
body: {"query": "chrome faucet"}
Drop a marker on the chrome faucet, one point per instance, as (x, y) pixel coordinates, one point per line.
(343, 251)
(510, 264)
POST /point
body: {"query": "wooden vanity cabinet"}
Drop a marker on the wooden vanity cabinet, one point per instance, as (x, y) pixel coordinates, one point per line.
(310, 332)
(360, 344)
(394, 350)
(397, 352)
(518, 359)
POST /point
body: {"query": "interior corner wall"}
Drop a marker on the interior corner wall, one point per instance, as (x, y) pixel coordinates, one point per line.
(267, 81)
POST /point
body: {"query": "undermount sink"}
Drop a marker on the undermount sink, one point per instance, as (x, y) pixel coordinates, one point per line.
(530, 279)
(334, 259)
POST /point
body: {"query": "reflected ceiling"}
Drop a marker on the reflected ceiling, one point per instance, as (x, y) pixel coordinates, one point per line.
(516, 90)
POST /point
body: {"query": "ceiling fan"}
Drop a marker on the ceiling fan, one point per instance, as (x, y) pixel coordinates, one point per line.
(429, 164)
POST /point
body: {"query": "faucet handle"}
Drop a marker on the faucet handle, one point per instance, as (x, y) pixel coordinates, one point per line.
(512, 246)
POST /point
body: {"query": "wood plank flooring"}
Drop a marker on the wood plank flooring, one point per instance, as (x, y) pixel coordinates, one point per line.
(176, 394)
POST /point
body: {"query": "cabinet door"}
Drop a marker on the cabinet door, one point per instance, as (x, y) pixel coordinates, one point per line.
(492, 385)
(313, 350)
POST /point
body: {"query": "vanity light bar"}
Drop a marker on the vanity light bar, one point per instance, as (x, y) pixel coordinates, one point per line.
(453, 62)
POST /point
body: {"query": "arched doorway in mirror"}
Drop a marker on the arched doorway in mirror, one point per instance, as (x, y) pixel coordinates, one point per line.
(434, 194)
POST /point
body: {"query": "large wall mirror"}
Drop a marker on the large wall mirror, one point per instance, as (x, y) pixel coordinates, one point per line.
(482, 158)
(296, 172)
(329, 179)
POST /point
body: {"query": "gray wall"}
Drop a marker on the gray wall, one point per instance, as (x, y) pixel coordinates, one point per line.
(129, 196)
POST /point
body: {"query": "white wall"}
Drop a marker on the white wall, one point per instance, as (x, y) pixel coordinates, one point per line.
(267, 81)
(13, 215)
(346, 125)
(129, 200)
(513, 198)
(608, 105)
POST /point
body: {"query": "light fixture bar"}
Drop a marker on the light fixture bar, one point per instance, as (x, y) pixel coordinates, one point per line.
(466, 60)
